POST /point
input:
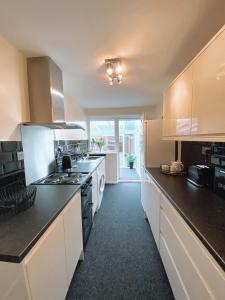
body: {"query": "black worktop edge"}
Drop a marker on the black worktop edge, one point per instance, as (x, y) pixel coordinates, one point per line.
(214, 253)
(21, 256)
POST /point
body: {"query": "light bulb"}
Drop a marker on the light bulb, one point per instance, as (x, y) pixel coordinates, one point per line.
(119, 76)
(119, 69)
(109, 70)
(110, 80)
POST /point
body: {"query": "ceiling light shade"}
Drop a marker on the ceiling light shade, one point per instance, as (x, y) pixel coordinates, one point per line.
(114, 70)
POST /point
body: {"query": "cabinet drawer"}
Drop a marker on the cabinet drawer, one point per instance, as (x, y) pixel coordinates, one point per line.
(207, 267)
(193, 281)
(172, 272)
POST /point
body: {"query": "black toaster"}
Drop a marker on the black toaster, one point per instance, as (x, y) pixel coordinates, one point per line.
(201, 175)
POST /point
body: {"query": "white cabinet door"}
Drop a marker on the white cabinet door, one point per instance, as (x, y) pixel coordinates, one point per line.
(94, 191)
(73, 234)
(151, 202)
(12, 284)
(177, 106)
(199, 274)
(46, 265)
(111, 162)
(208, 109)
(145, 192)
(174, 277)
(154, 212)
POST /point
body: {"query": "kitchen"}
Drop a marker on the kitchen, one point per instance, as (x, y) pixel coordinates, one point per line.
(71, 227)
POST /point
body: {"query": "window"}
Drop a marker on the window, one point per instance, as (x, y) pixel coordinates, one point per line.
(104, 132)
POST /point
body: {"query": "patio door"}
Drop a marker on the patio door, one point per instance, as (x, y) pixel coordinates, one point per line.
(129, 149)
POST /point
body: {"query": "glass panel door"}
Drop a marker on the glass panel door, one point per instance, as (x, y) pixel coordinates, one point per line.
(129, 149)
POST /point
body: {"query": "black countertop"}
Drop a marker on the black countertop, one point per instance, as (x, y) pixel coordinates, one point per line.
(19, 233)
(202, 209)
(85, 166)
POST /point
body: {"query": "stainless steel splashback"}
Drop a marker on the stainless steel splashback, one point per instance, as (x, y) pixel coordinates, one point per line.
(38, 148)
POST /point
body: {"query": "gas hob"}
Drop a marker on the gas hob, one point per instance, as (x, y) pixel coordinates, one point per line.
(64, 178)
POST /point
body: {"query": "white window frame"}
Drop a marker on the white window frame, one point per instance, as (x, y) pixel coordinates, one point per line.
(116, 119)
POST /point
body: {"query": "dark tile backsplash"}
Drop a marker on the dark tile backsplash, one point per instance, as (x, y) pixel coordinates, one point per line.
(198, 152)
(11, 162)
(74, 147)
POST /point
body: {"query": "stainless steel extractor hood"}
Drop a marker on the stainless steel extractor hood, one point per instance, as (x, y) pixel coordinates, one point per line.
(46, 97)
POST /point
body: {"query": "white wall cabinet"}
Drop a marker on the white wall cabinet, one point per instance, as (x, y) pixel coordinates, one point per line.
(194, 105)
(177, 106)
(46, 265)
(209, 89)
(73, 235)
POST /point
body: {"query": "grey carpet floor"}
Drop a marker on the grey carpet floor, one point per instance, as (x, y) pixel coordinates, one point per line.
(121, 258)
(128, 174)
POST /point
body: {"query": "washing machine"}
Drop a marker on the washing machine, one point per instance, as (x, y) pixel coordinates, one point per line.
(101, 182)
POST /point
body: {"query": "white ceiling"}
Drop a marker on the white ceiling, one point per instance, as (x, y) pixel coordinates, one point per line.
(155, 38)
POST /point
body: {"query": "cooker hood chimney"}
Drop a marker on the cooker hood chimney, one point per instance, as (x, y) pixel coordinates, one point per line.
(46, 97)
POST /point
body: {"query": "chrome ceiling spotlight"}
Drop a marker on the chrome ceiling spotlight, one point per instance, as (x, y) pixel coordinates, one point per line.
(114, 70)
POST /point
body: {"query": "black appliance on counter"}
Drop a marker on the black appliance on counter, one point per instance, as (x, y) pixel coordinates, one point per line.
(66, 162)
(85, 181)
(218, 155)
(201, 175)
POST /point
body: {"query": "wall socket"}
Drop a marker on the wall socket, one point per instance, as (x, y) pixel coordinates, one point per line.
(20, 155)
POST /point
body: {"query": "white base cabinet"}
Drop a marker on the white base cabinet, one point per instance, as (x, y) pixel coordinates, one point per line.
(73, 235)
(192, 271)
(46, 271)
(201, 275)
(13, 284)
(151, 204)
(46, 265)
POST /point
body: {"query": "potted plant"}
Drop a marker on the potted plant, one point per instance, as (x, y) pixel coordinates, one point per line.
(130, 160)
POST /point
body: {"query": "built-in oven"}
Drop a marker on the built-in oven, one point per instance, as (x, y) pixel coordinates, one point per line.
(86, 207)
(219, 181)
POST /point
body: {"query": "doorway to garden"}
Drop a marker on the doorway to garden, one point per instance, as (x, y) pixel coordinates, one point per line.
(129, 149)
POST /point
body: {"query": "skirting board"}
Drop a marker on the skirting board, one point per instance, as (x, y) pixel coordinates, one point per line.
(111, 182)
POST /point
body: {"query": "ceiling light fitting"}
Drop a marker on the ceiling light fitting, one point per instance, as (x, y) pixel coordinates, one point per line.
(114, 70)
